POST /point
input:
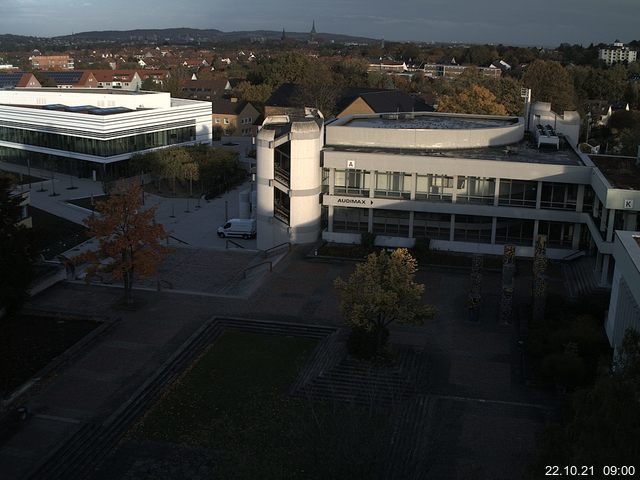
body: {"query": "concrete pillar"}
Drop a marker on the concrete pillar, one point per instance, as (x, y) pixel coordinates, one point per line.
(332, 181)
(603, 219)
(598, 266)
(580, 199)
(631, 221)
(577, 231)
(612, 219)
(330, 218)
(452, 227)
(372, 185)
(411, 215)
(370, 220)
(604, 276)
(414, 184)
(538, 198)
(596, 204)
(494, 226)
(454, 195)
(536, 227)
(496, 195)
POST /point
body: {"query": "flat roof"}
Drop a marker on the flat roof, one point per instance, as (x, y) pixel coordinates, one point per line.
(100, 91)
(420, 120)
(83, 109)
(621, 172)
(524, 151)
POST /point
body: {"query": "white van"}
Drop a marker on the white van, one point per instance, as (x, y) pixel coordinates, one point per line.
(238, 227)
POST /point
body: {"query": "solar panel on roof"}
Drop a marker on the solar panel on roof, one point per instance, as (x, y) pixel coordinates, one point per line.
(64, 77)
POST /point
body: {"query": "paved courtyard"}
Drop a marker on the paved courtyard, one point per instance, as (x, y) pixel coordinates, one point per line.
(484, 420)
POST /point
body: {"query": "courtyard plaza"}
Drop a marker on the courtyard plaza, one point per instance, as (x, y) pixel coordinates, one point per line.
(483, 420)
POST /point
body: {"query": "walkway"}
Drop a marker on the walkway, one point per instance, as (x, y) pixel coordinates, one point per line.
(189, 221)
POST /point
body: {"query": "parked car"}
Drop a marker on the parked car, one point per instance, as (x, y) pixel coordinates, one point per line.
(238, 227)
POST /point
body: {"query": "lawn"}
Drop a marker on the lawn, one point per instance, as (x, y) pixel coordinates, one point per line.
(234, 402)
(54, 235)
(28, 343)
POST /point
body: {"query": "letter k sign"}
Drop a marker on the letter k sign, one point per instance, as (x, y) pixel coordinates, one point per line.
(628, 204)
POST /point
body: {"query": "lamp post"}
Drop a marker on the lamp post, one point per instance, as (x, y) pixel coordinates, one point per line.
(588, 126)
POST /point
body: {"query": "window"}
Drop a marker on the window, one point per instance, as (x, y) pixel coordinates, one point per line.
(559, 234)
(515, 231)
(474, 228)
(518, 193)
(393, 184)
(350, 220)
(434, 187)
(560, 196)
(476, 190)
(391, 222)
(431, 225)
(352, 182)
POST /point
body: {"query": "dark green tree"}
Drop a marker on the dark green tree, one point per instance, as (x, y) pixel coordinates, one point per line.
(550, 82)
(16, 252)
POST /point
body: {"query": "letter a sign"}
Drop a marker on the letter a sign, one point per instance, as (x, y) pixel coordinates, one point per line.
(351, 164)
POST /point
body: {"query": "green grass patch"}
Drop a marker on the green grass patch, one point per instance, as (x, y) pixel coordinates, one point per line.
(234, 402)
(88, 203)
(28, 343)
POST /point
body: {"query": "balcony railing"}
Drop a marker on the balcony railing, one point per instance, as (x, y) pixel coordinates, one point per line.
(281, 175)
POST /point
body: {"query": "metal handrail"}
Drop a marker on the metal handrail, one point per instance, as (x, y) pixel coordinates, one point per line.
(269, 250)
(571, 256)
(268, 262)
(226, 246)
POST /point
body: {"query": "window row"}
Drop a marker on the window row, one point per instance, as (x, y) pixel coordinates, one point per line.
(100, 148)
(467, 189)
(466, 228)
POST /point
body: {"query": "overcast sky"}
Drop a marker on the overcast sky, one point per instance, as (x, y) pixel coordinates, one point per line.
(537, 22)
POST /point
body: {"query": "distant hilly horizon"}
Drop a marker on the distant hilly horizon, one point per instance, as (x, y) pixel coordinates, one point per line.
(185, 33)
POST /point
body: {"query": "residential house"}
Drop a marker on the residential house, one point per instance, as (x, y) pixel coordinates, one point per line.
(206, 89)
(18, 80)
(51, 62)
(367, 101)
(234, 116)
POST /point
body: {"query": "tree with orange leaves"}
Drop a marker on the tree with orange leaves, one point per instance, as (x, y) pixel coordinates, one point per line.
(129, 238)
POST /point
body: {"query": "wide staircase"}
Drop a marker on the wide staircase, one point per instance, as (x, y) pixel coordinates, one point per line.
(580, 278)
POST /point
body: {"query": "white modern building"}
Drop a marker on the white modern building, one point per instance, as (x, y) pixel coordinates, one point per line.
(463, 183)
(93, 132)
(617, 53)
(624, 309)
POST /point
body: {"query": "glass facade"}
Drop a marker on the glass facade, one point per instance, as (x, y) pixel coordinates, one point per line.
(514, 230)
(434, 187)
(96, 147)
(472, 228)
(391, 222)
(560, 196)
(352, 182)
(393, 184)
(65, 165)
(431, 225)
(559, 234)
(476, 190)
(350, 220)
(518, 193)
